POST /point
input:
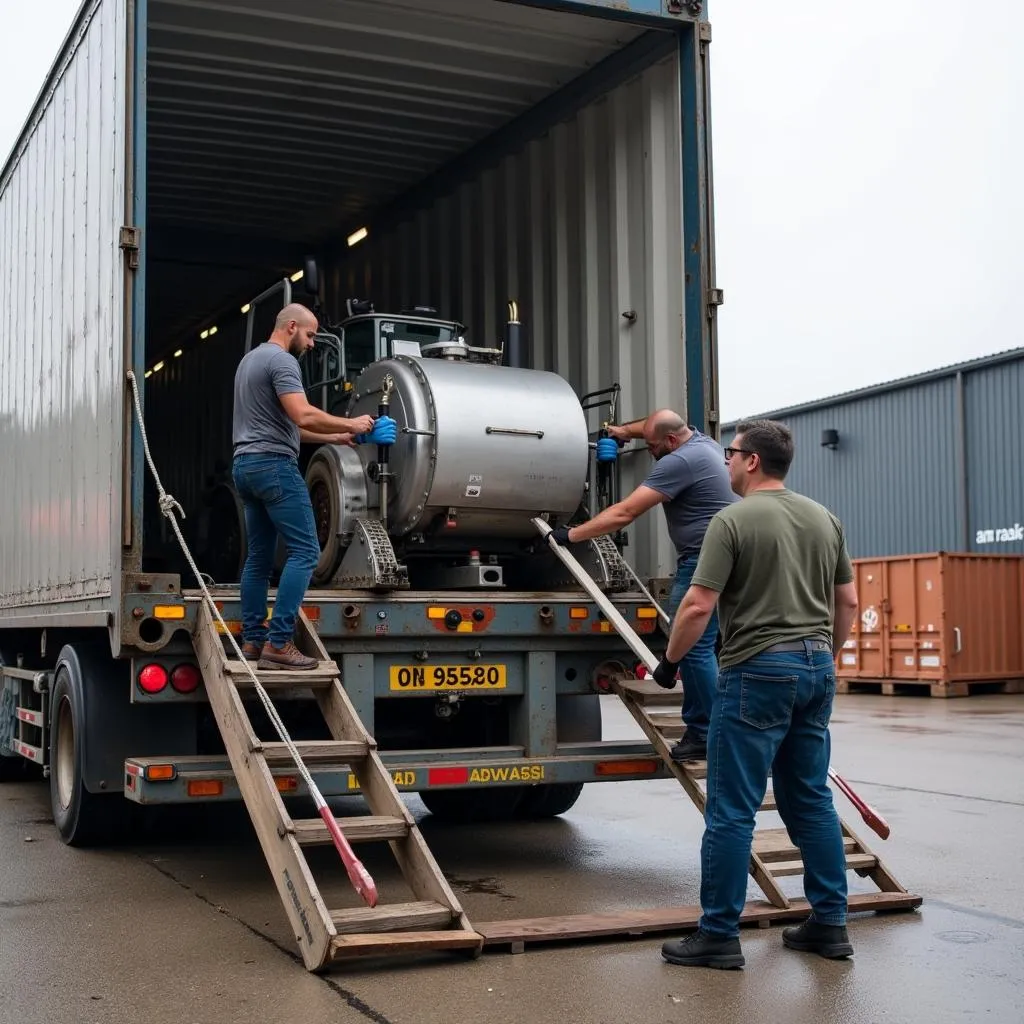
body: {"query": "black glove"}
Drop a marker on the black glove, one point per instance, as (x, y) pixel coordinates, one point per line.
(560, 535)
(664, 673)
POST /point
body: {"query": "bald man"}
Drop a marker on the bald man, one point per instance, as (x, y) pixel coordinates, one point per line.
(271, 417)
(690, 480)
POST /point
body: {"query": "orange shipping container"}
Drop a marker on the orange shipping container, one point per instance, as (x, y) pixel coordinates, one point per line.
(947, 619)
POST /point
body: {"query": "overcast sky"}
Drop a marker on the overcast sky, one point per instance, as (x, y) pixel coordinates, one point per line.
(868, 193)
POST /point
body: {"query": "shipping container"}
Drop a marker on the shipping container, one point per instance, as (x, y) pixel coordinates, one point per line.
(184, 158)
(855, 453)
(945, 619)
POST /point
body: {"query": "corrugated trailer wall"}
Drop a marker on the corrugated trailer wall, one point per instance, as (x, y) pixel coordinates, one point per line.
(61, 207)
(932, 464)
(566, 226)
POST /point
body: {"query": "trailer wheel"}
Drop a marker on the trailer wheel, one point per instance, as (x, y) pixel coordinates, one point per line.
(579, 721)
(82, 818)
(469, 806)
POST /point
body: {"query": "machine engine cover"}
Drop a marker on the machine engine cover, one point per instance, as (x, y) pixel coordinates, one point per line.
(496, 444)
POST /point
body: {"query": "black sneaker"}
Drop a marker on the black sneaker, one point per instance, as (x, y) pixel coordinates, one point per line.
(703, 950)
(690, 748)
(827, 940)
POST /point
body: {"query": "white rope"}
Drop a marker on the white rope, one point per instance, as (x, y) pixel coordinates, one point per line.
(168, 506)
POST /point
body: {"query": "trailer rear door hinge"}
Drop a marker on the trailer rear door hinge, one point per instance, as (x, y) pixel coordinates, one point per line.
(716, 297)
(129, 242)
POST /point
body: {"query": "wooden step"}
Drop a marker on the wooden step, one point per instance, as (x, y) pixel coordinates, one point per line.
(316, 752)
(363, 829)
(768, 804)
(391, 917)
(344, 946)
(773, 844)
(854, 862)
(323, 675)
(649, 694)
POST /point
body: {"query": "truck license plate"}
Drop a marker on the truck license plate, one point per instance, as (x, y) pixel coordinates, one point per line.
(448, 677)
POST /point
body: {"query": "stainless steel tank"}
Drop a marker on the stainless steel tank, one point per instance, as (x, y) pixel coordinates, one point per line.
(481, 448)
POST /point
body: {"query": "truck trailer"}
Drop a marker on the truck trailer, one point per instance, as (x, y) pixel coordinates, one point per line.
(501, 213)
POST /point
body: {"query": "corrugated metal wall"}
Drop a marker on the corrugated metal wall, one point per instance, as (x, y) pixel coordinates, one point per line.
(61, 206)
(897, 480)
(580, 226)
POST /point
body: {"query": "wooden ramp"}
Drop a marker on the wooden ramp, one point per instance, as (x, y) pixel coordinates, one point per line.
(434, 920)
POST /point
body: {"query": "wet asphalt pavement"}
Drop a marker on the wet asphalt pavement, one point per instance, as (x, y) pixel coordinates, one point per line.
(186, 927)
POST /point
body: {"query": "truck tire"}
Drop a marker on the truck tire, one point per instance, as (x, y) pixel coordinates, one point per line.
(470, 806)
(579, 721)
(82, 818)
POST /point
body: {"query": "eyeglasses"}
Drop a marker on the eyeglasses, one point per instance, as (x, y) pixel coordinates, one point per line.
(730, 452)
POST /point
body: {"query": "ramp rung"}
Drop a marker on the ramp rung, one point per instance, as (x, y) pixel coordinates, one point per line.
(393, 917)
(315, 752)
(854, 862)
(773, 844)
(768, 804)
(649, 694)
(402, 942)
(323, 675)
(364, 829)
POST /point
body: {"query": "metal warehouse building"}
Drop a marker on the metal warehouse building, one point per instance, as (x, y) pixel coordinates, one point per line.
(933, 462)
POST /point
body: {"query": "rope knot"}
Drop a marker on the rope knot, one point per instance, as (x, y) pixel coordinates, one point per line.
(168, 503)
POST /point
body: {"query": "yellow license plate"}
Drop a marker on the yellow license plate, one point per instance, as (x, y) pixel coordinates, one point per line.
(448, 677)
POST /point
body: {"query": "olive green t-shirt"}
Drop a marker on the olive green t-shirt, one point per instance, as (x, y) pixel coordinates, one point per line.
(775, 558)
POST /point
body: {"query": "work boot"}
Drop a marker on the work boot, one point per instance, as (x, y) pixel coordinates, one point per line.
(251, 651)
(827, 940)
(704, 950)
(690, 748)
(288, 657)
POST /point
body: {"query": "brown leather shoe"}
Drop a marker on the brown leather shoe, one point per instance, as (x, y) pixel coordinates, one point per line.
(288, 657)
(251, 651)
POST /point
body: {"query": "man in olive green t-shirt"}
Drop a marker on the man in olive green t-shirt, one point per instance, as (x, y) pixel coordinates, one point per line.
(777, 567)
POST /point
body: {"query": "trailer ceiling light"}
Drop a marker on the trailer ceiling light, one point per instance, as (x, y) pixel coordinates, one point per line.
(356, 237)
(178, 354)
(213, 331)
(246, 308)
(149, 373)
(297, 276)
(159, 366)
(204, 335)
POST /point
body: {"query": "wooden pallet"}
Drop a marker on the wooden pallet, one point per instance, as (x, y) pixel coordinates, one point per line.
(434, 920)
(928, 688)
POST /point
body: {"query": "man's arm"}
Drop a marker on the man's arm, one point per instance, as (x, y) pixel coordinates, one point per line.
(690, 622)
(627, 431)
(617, 516)
(311, 437)
(316, 421)
(845, 613)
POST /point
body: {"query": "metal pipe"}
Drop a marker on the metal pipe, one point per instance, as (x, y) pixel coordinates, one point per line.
(383, 450)
(513, 340)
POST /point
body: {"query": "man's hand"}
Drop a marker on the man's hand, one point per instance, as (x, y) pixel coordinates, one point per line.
(560, 535)
(664, 673)
(385, 431)
(620, 433)
(360, 425)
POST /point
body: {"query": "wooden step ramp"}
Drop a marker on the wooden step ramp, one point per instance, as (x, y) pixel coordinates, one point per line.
(434, 920)
(658, 712)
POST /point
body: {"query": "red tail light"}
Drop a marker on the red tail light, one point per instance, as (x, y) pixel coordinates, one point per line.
(185, 678)
(640, 671)
(153, 678)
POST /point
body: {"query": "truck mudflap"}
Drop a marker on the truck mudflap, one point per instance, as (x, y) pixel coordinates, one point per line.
(154, 780)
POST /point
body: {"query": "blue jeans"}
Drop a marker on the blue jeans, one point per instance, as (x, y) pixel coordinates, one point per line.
(771, 713)
(699, 669)
(276, 502)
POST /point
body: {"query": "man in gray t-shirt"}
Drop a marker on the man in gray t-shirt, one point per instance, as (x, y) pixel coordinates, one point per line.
(271, 417)
(690, 480)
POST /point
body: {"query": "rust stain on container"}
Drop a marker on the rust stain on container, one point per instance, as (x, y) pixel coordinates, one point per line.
(937, 618)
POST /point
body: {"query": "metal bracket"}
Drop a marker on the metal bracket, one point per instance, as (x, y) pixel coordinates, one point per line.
(716, 297)
(130, 240)
(370, 562)
(693, 7)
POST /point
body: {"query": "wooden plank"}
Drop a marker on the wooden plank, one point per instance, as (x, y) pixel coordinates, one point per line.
(316, 752)
(648, 693)
(391, 917)
(629, 923)
(343, 946)
(854, 862)
(773, 844)
(364, 829)
(324, 674)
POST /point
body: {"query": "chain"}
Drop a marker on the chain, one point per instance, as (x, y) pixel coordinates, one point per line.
(169, 506)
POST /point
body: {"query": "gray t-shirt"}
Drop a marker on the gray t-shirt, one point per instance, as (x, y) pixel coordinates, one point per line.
(260, 425)
(695, 480)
